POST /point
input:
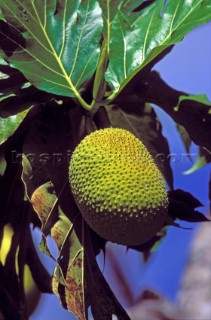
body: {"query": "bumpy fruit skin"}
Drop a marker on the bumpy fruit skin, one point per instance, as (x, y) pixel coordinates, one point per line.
(117, 187)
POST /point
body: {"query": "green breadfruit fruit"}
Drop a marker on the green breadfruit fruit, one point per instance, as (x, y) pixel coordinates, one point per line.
(117, 187)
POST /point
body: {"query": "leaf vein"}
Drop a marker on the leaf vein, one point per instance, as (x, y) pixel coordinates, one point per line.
(67, 78)
(173, 17)
(34, 57)
(64, 30)
(146, 37)
(124, 52)
(26, 27)
(79, 40)
(82, 73)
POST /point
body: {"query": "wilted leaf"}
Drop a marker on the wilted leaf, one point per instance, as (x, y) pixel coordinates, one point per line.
(77, 279)
(69, 281)
(68, 276)
(44, 201)
(138, 37)
(56, 45)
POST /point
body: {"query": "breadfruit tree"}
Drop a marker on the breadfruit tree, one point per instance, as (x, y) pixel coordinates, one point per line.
(80, 138)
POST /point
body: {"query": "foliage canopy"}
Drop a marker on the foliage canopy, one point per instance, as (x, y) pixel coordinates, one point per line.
(68, 68)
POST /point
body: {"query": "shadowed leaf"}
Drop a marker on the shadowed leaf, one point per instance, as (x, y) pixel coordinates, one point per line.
(11, 80)
(201, 98)
(13, 104)
(182, 206)
(193, 115)
(151, 245)
(185, 137)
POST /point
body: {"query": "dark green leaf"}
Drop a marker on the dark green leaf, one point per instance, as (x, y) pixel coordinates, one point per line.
(1, 15)
(201, 98)
(138, 37)
(109, 9)
(182, 206)
(16, 93)
(58, 44)
(194, 116)
(22, 100)
(129, 6)
(152, 245)
(186, 197)
(11, 80)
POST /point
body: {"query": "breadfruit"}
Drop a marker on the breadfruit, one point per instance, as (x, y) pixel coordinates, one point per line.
(117, 187)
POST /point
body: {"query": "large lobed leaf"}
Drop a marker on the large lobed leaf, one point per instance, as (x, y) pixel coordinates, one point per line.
(57, 45)
(136, 38)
